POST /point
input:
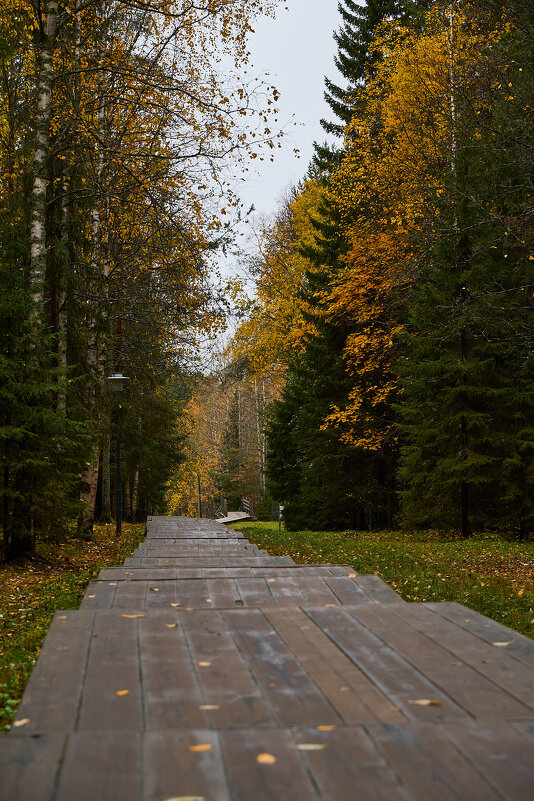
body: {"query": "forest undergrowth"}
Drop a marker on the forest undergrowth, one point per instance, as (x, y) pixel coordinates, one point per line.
(32, 590)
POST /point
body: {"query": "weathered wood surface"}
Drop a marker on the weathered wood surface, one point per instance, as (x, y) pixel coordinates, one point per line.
(217, 673)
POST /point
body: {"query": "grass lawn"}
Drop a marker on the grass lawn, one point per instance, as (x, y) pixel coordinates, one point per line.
(487, 573)
(31, 590)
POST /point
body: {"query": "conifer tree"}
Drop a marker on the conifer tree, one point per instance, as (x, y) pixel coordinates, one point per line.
(354, 58)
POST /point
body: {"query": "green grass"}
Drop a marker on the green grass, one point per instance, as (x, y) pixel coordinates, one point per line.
(31, 590)
(487, 573)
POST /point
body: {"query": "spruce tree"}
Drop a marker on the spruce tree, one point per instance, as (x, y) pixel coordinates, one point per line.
(354, 58)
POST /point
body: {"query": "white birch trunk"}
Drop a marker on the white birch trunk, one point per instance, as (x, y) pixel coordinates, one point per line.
(41, 157)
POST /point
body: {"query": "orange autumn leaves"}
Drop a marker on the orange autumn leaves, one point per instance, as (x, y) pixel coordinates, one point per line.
(393, 179)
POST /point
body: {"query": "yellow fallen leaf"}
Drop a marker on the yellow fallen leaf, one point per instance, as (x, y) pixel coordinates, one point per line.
(204, 664)
(176, 604)
(63, 648)
(128, 574)
(187, 798)
(90, 596)
(154, 589)
(325, 728)
(130, 617)
(271, 580)
(172, 625)
(201, 747)
(352, 575)
(22, 722)
(502, 644)
(266, 759)
(112, 584)
(426, 702)
(122, 692)
(311, 747)
(344, 689)
(209, 706)
(209, 601)
(521, 592)
(330, 605)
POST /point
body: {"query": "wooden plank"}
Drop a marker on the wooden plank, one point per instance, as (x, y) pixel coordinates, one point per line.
(224, 676)
(53, 692)
(171, 693)
(99, 595)
(255, 592)
(286, 592)
(400, 681)
(103, 766)
(502, 754)
(348, 591)
(350, 692)
(466, 686)
(288, 688)
(377, 589)
(171, 770)
(223, 593)
(28, 766)
(160, 594)
(349, 766)
(521, 648)
(130, 595)
(250, 780)
(315, 591)
(113, 666)
(429, 765)
(493, 662)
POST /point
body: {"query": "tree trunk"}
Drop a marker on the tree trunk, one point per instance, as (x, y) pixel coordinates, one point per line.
(135, 495)
(41, 157)
(127, 500)
(88, 488)
(106, 479)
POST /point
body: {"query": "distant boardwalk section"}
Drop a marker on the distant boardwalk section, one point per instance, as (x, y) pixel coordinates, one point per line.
(205, 669)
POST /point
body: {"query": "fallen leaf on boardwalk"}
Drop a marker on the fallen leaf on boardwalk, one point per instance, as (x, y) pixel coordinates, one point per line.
(189, 609)
(502, 644)
(209, 601)
(325, 728)
(90, 596)
(128, 574)
(201, 747)
(204, 664)
(187, 798)
(209, 706)
(352, 575)
(426, 702)
(330, 604)
(154, 589)
(344, 689)
(271, 580)
(176, 604)
(130, 617)
(22, 722)
(172, 625)
(112, 584)
(63, 648)
(122, 692)
(311, 747)
(266, 759)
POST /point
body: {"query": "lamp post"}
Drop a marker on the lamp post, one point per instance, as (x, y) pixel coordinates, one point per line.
(117, 382)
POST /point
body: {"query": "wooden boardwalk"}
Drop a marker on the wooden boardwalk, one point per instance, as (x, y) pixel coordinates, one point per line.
(206, 670)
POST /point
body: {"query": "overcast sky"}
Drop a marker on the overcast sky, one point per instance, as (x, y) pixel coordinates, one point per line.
(297, 50)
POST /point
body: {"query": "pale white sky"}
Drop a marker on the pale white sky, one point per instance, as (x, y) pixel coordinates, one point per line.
(297, 50)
